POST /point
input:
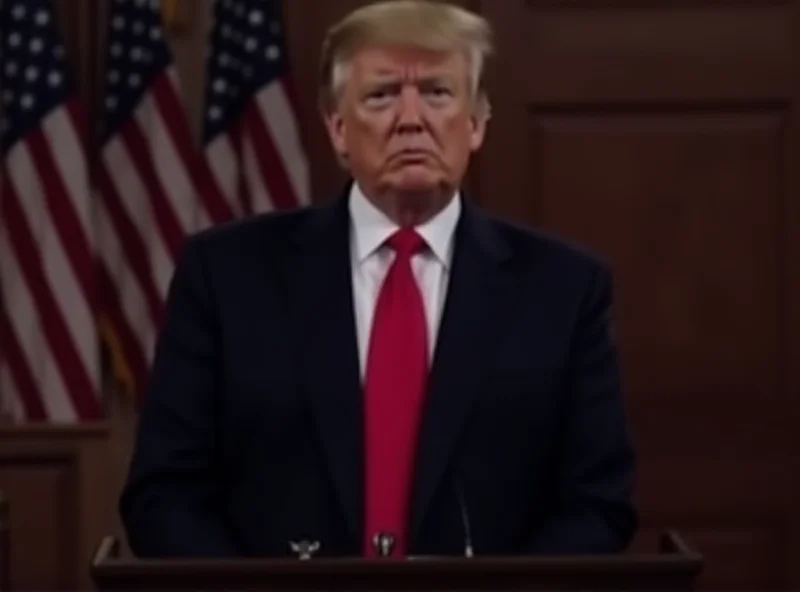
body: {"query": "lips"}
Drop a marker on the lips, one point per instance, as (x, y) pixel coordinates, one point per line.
(412, 155)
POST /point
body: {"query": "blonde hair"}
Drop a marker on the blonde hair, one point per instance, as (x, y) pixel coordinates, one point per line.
(424, 24)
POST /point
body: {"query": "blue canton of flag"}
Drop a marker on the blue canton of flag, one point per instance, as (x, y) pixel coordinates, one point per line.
(34, 75)
(137, 53)
(247, 53)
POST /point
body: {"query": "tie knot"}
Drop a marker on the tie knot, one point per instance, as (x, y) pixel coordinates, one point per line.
(406, 242)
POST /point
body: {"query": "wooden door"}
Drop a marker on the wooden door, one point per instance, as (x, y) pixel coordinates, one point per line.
(663, 136)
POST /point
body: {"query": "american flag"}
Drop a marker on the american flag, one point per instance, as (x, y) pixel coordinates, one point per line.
(251, 136)
(149, 186)
(49, 359)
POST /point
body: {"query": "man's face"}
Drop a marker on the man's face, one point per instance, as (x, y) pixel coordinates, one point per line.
(405, 121)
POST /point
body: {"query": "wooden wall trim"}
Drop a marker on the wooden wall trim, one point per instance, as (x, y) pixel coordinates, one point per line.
(16, 434)
(790, 303)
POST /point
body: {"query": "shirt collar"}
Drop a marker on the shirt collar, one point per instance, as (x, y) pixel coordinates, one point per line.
(371, 227)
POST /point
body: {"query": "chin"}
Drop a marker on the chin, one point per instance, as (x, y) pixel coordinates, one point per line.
(418, 182)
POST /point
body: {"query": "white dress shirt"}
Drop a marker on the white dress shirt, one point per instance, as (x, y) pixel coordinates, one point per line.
(371, 258)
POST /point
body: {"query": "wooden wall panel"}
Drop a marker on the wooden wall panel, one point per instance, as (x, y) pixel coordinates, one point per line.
(656, 51)
(60, 503)
(43, 491)
(658, 135)
(685, 204)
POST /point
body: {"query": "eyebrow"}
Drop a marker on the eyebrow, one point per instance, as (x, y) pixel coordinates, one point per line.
(393, 78)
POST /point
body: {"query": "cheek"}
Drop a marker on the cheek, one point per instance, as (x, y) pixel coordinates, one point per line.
(370, 135)
(458, 134)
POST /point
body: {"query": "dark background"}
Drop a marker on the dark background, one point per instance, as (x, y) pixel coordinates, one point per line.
(661, 134)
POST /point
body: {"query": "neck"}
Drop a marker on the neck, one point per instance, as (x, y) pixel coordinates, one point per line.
(411, 208)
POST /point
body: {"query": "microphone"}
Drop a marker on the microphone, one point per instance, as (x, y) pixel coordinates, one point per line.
(468, 551)
(383, 542)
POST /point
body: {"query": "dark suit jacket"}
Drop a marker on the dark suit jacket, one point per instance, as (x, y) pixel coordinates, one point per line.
(251, 432)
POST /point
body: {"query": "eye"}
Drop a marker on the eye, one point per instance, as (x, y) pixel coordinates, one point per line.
(380, 97)
(437, 92)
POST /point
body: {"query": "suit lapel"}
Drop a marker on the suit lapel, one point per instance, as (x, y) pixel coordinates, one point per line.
(475, 296)
(320, 298)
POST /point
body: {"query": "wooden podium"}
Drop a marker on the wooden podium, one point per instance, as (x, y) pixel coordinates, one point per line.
(674, 567)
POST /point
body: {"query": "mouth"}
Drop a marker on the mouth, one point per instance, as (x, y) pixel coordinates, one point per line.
(412, 156)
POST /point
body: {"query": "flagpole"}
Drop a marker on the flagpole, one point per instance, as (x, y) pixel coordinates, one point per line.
(173, 15)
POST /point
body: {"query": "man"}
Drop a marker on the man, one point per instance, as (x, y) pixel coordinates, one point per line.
(396, 373)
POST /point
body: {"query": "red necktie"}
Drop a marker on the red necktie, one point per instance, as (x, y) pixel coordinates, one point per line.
(396, 374)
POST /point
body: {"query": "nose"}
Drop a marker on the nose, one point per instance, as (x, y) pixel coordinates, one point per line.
(410, 110)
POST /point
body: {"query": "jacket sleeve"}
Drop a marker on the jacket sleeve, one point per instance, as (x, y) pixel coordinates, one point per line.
(594, 511)
(171, 505)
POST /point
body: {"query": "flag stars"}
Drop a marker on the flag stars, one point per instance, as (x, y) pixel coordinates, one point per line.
(155, 33)
(256, 18)
(18, 12)
(134, 80)
(136, 54)
(58, 52)
(111, 102)
(273, 53)
(116, 50)
(27, 101)
(118, 22)
(138, 28)
(37, 45)
(14, 39)
(54, 78)
(42, 18)
(11, 69)
(246, 52)
(31, 74)
(113, 76)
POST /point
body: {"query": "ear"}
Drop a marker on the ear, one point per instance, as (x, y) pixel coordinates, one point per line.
(334, 123)
(478, 122)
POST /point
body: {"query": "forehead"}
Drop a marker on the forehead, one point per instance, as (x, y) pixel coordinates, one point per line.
(378, 61)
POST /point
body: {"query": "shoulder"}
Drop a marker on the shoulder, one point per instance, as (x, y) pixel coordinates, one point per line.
(565, 273)
(258, 236)
(541, 251)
